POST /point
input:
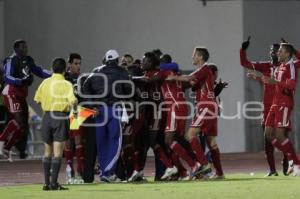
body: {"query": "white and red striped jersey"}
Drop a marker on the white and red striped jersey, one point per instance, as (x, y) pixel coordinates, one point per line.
(286, 75)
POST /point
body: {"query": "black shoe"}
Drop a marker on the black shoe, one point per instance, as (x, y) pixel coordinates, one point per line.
(23, 155)
(285, 166)
(271, 173)
(46, 187)
(203, 169)
(58, 187)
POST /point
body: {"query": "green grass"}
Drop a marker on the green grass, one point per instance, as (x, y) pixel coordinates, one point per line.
(235, 186)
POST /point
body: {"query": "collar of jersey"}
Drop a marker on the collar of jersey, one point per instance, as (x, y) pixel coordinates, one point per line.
(57, 76)
(290, 61)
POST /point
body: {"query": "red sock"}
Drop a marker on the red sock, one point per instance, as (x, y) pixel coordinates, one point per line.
(136, 165)
(80, 158)
(162, 156)
(197, 149)
(284, 158)
(132, 156)
(13, 138)
(287, 148)
(69, 156)
(269, 151)
(11, 126)
(128, 152)
(181, 170)
(181, 152)
(290, 151)
(215, 155)
(12, 134)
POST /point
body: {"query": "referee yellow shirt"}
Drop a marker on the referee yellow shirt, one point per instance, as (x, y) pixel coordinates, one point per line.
(55, 94)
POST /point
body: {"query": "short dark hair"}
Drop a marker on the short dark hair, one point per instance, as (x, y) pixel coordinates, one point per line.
(137, 62)
(203, 52)
(289, 48)
(153, 58)
(213, 68)
(73, 56)
(18, 42)
(157, 52)
(59, 65)
(166, 58)
(128, 56)
(276, 45)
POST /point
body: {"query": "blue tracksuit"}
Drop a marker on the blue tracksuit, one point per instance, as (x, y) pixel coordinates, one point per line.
(109, 139)
(108, 129)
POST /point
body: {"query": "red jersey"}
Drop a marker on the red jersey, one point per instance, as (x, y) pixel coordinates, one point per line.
(154, 91)
(286, 75)
(204, 84)
(172, 91)
(267, 69)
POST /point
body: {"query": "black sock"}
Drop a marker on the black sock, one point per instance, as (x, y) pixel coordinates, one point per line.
(56, 162)
(47, 167)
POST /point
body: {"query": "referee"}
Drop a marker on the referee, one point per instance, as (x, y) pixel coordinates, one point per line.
(55, 95)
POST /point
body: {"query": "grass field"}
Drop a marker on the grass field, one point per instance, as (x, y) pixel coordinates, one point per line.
(234, 186)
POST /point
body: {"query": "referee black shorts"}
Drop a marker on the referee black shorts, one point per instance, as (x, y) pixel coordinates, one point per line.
(55, 127)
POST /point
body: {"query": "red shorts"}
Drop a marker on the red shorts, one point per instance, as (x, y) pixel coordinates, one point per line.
(175, 122)
(265, 113)
(14, 104)
(279, 117)
(206, 118)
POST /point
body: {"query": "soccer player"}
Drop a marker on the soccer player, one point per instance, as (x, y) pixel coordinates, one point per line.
(55, 95)
(18, 77)
(108, 130)
(267, 68)
(218, 88)
(132, 130)
(175, 106)
(205, 119)
(278, 122)
(151, 64)
(71, 75)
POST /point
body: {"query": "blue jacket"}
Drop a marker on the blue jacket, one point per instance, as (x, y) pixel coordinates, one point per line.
(96, 84)
(16, 70)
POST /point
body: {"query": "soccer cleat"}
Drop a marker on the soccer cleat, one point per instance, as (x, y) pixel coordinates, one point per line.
(296, 170)
(78, 181)
(203, 169)
(58, 187)
(108, 179)
(118, 180)
(271, 173)
(169, 172)
(135, 175)
(184, 178)
(216, 177)
(46, 187)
